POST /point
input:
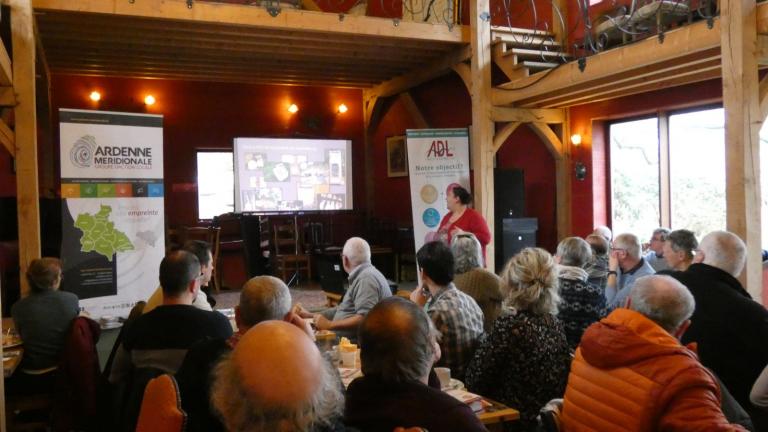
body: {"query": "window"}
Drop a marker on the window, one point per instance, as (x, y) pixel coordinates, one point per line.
(635, 176)
(215, 183)
(669, 171)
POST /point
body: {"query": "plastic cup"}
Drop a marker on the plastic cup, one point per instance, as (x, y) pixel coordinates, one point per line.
(348, 359)
(444, 375)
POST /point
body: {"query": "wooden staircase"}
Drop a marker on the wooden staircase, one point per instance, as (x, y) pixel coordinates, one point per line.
(522, 52)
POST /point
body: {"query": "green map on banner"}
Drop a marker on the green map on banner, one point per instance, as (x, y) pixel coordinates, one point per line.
(100, 235)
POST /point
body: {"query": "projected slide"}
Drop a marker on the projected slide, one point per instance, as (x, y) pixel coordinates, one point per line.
(279, 174)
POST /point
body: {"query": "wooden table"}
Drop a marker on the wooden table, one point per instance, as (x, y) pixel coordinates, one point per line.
(492, 417)
(16, 353)
(498, 413)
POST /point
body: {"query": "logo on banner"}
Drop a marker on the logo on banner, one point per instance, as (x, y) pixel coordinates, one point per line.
(82, 152)
(86, 152)
(439, 149)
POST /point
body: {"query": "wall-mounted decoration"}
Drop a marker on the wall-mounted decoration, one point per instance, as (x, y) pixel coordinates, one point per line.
(397, 157)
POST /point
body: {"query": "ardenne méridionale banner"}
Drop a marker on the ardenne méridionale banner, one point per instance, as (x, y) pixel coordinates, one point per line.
(112, 207)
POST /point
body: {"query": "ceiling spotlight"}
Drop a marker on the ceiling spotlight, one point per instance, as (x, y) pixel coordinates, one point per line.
(149, 100)
(343, 108)
(293, 109)
(95, 96)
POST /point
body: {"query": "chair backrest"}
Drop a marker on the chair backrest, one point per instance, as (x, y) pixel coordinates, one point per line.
(78, 377)
(161, 408)
(286, 239)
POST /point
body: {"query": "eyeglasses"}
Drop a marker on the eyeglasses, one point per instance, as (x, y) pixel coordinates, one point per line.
(618, 249)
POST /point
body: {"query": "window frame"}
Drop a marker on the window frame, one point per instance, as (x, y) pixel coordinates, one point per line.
(197, 178)
(665, 178)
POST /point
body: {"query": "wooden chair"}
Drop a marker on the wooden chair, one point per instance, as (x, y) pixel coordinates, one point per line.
(211, 235)
(161, 408)
(290, 258)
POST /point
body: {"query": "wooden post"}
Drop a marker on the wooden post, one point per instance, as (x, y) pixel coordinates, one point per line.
(27, 192)
(560, 22)
(482, 125)
(369, 102)
(742, 125)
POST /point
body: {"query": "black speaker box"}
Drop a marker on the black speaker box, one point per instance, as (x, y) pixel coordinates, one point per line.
(509, 202)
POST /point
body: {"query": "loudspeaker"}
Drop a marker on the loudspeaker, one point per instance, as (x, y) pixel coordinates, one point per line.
(517, 234)
(509, 202)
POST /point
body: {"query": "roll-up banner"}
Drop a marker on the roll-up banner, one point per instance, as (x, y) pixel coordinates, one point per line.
(113, 220)
(438, 160)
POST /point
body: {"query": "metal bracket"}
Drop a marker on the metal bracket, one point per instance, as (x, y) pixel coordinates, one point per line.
(273, 7)
(582, 63)
(341, 17)
(189, 4)
(661, 37)
(485, 16)
(396, 22)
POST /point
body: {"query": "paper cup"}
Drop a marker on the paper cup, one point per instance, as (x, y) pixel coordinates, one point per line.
(348, 359)
(444, 375)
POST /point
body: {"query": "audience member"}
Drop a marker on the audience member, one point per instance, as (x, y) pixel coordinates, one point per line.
(160, 339)
(398, 347)
(262, 298)
(647, 379)
(679, 249)
(655, 250)
(367, 286)
(581, 302)
(42, 319)
(276, 380)
(598, 265)
(729, 328)
(523, 362)
(604, 232)
(625, 266)
(473, 279)
(460, 218)
(202, 251)
(455, 315)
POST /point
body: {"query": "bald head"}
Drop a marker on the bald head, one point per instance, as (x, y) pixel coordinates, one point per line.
(604, 232)
(724, 250)
(263, 298)
(275, 379)
(396, 341)
(357, 251)
(664, 300)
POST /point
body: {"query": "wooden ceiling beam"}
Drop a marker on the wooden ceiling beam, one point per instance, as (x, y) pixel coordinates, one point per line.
(7, 97)
(650, 85)
(258, 17)
(667, 69)
(212, 67)
(643, 54)
(502, 135)
(263, 79)
(191, 40)
(76, 53)
(762, 18)
(7, 138)
(169, 47)
(122, 26)
(668, 78)
(6, 70)
(402, 83)
(277, 65)
(527, 115)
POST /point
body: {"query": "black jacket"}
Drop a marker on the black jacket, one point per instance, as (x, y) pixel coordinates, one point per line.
(730, 329)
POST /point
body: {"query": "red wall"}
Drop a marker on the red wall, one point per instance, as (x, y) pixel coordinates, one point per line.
(209, 115)
(590, 205)
(524, 150)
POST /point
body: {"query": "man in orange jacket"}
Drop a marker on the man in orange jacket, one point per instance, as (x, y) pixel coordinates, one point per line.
(631, 373)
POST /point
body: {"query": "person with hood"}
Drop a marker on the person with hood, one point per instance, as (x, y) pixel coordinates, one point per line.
(581, 302)
(647, 379)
